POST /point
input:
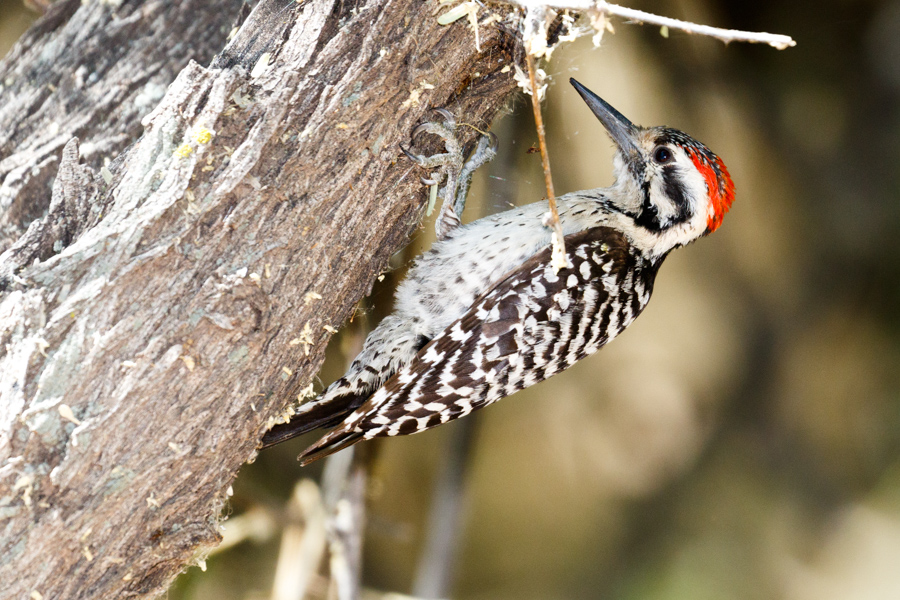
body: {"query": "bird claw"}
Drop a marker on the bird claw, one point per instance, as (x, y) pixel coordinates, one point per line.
(449, 118)
(416, 158)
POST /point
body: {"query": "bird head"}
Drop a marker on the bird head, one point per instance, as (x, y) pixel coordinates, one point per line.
(673, 188)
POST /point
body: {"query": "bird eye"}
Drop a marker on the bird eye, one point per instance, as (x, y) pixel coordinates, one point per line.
(662, 155)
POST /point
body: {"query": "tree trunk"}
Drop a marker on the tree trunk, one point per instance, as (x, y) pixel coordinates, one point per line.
(164, 310)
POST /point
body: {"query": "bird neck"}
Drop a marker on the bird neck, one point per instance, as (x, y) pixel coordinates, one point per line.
(611, 207)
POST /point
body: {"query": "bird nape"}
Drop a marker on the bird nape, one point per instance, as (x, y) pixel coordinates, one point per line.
(484, 314)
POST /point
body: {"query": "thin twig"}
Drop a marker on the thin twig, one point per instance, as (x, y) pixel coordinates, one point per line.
(601, 8)
(726, 35)
(559, 244)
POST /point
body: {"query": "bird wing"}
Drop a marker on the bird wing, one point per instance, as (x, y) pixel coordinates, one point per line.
(531, 324)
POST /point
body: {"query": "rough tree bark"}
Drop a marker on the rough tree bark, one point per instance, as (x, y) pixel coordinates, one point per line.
(91, 71)
(163, 310)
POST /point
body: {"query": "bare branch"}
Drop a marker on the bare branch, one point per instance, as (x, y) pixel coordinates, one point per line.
(601, 10)
(775, 40)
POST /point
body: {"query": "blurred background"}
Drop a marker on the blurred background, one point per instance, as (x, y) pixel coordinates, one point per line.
(741, 439)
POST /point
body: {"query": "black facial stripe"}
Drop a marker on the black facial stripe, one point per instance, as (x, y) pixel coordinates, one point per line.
(674, 189)
(649, 217)
(645, 195)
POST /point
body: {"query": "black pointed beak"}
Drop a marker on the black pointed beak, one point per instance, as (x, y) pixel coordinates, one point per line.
(621, 130)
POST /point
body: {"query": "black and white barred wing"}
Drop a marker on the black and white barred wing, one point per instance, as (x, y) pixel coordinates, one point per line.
(532, 324)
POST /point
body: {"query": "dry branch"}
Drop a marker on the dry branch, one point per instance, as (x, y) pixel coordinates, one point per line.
(600, 11)
(777, 41)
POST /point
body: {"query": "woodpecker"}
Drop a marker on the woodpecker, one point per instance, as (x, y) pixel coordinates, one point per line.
(484, 313)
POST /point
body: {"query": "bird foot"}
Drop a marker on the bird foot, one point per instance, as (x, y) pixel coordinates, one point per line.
(453, 170)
